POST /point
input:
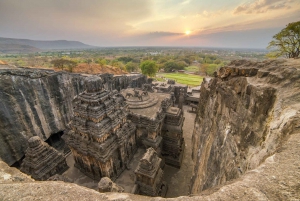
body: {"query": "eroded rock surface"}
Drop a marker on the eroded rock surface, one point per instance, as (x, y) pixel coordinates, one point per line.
(107, 185)
(244, 115)
(33, 103)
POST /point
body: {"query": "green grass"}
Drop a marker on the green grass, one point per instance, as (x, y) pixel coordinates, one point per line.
(192, 68)
(159, 79)
(191, 80)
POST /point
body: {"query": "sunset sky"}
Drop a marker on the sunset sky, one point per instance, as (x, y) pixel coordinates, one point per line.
(215, 23)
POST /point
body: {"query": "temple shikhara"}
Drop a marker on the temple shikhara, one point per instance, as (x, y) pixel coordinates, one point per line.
(42, 161)
(101, 138)
(149, 175)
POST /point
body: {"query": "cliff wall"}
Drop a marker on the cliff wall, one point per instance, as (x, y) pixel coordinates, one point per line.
(244, 115)
(39, 102)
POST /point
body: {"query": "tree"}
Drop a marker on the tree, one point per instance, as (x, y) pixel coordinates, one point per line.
(130, 67)
(217, 61)
(172, 66)
(71, 65)
(287, 41)
(125, 59)
(88, 61)
(149, 68)
(62, 63)
(101, 62)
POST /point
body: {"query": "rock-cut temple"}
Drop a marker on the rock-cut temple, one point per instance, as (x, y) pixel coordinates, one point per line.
(108, 126)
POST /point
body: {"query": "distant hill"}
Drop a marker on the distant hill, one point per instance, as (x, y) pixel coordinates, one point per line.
(25, 45)
(17, 48)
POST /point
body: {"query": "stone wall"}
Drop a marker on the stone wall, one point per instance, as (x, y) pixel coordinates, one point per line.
(38, 102)
(243, 116)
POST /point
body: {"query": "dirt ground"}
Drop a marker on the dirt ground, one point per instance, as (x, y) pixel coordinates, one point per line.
(78, 177)
(127, 178)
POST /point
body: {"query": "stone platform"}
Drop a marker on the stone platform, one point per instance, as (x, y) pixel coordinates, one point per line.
(135, 103)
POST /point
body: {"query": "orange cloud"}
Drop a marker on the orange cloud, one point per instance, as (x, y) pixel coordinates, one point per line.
(262, 6)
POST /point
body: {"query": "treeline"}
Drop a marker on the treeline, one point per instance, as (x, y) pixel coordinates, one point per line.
(130, 60)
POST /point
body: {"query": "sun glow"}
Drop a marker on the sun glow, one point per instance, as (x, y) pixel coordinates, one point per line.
(187, 32)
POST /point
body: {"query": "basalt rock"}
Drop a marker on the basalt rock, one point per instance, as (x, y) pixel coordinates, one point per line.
(244, 115)
(33, 103)
(39, 103)
(107, 185)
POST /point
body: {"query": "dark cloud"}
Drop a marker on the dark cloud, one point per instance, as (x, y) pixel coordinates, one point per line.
(262, 6)
(54, 19)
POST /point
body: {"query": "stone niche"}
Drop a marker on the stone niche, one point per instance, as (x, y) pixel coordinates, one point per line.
(101, 138)
(149, 175)
(42, 161)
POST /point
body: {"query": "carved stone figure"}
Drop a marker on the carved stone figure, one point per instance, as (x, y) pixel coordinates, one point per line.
(140, 97)
(147, 87)
(144, 93)
(128, 95)
(136, 93)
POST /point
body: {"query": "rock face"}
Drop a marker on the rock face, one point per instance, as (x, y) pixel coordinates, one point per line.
(33, 103)
(39, 103)
(42, 161)
(106, 185)
(244, 115)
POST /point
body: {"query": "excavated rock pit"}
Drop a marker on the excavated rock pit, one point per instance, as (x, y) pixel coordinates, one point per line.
(39, 102)
(245, 143)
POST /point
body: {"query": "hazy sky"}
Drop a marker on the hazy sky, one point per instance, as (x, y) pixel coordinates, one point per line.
(215, 23)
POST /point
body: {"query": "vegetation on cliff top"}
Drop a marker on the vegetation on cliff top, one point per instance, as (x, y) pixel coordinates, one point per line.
(286, 42)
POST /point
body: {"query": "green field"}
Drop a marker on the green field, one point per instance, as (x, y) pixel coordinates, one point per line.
(191, 80)
(192, 68)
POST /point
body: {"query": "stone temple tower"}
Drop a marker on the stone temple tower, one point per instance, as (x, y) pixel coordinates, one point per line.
(101, 138)
(149, 175)
(42, 161)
